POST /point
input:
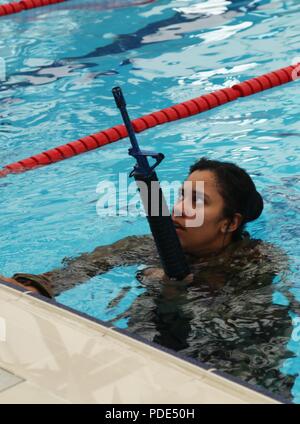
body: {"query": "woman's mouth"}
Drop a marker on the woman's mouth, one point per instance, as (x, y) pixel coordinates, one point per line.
(178, 226)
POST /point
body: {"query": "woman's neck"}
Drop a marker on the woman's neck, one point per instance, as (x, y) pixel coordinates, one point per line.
(214, 249)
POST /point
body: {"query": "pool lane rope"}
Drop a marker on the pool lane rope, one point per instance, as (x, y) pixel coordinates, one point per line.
(173, 113)
(20, 6)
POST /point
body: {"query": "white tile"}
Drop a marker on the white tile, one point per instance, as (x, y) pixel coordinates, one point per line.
(8, 379)
(28, 393)
(24, 344)
(10, 294)
(79, 361)
(2, 329)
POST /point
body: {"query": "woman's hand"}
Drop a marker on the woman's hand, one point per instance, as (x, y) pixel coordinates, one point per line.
(154, 273)
(8, 280)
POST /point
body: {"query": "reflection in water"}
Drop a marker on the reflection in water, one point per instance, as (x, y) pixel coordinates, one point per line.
(235, 327)
(235, 316)
(182, 22)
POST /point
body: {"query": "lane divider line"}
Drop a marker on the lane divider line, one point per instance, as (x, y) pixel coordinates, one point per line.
(173, 113)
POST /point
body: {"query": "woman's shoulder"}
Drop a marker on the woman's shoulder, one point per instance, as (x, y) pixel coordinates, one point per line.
(248, 262)
(254, 249)
(253, 257)
(247, 259)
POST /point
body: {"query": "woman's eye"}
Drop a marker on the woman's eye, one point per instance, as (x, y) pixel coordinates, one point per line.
(180, 194)
(198, 200)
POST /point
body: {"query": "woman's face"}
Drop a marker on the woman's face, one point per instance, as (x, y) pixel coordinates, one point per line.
(211, 234)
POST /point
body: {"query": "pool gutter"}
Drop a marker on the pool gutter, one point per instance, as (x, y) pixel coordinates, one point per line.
(62, 356)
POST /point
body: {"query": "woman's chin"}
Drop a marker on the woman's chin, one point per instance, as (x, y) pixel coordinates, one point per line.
(184, 245)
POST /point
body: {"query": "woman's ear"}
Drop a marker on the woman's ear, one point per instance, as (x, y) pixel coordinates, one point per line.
(233, 225)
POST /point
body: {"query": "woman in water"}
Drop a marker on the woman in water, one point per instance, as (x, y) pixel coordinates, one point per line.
(225, 314)
(213, 249)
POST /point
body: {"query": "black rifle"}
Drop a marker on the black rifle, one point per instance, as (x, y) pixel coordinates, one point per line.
(164, 233)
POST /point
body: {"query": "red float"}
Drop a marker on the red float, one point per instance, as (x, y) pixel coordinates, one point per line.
(16, 7)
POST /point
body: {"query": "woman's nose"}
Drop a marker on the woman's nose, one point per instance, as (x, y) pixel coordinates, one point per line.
(178, 208)
(182, 208)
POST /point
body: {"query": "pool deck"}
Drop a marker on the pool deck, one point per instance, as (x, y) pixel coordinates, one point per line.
(51, 355)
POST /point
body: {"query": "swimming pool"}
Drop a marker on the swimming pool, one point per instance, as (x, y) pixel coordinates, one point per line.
(60, 67)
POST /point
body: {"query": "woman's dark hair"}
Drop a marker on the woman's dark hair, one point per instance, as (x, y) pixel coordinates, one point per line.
(237, 189)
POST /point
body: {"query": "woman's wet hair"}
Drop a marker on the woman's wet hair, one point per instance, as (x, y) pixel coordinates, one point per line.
(237, 190)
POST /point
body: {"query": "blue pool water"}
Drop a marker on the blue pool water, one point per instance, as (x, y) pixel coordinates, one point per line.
(61, 64)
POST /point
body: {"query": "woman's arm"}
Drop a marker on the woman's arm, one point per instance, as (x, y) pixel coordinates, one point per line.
(130, 250)
(8, 280)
